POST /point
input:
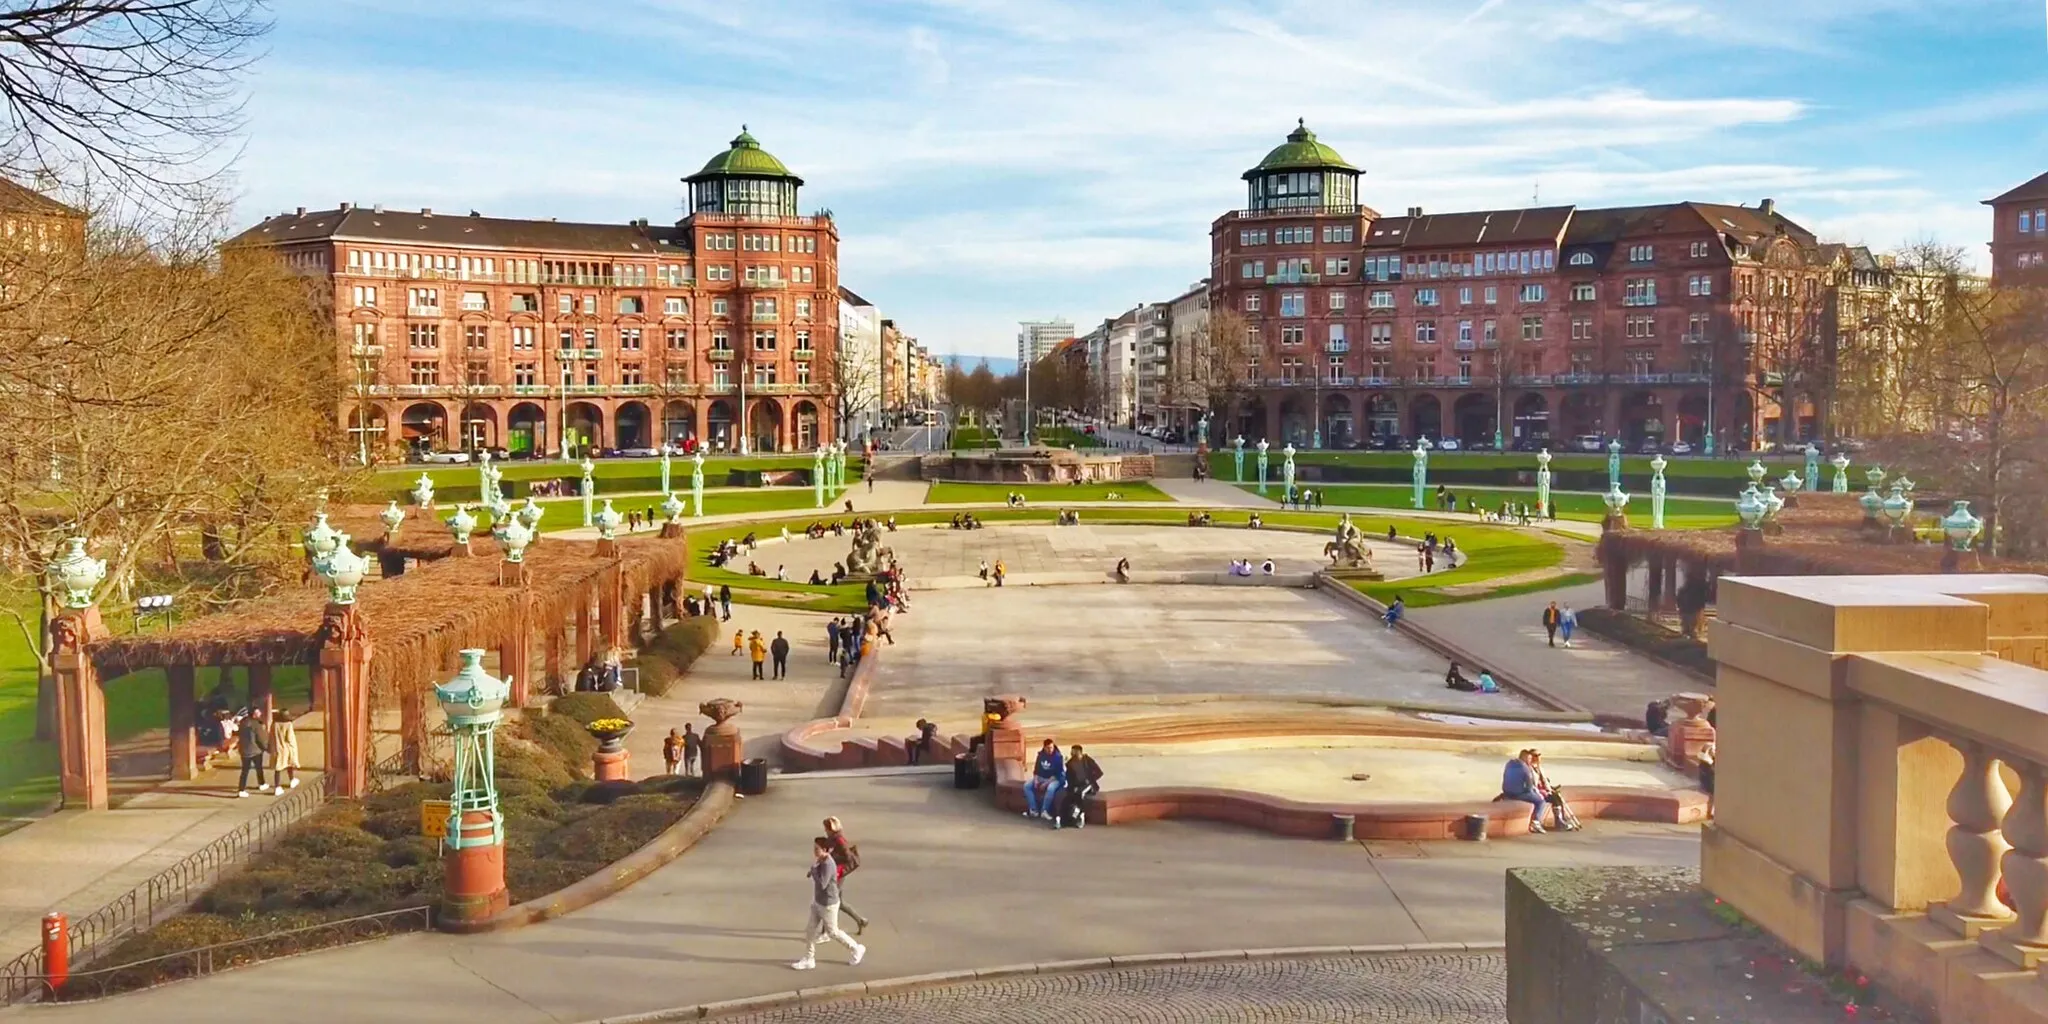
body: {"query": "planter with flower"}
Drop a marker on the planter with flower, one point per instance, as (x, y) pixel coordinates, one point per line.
(609, 763)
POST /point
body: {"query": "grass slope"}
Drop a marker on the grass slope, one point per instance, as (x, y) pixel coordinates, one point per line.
(1679, 513)
(948, 492)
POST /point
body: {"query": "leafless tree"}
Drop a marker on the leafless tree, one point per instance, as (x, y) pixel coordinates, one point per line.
(856, 381)
(143, 94)
(1223, 363)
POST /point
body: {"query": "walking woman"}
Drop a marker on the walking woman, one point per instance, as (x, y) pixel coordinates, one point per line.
(284, 751)
(847, 856)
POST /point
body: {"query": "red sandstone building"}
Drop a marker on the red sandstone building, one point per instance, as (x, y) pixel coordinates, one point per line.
(2019, 230)
(1647, 323)
(466, 331)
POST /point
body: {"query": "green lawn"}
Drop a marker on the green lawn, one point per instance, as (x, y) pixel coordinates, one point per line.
(948, 492)
(715, 468)
(1499, 551)
(975, 437)
(1729, 468)
(1679, 513)
(1067, 437)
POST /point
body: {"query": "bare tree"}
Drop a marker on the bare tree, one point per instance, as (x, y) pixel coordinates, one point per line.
(856, 381)
(1789, 349)
(1224, 362)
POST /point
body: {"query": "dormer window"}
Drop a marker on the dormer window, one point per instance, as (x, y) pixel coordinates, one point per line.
(1582, 259)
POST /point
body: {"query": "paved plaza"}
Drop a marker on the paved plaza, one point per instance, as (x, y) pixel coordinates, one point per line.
(1117, 641)
(1435, 988)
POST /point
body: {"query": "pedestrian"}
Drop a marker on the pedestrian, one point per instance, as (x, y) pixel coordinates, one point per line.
(1394, 612)
(846, 856)
(672, 750)
(284, 751)
(725, 602)
(1428, 559)
(254, 742)
(1551, 619)
(779, 650)
(739, 640)
(871, 484)
(983, 573)
(1567, 623)
(1707, 757)
(693, 744)
(1421, 554)
(757, 652)
(824, 921)
(1001, 570)
(832, 641)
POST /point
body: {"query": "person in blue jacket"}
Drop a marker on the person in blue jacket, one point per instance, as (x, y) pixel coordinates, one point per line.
(1048, 774)
(1518, 782)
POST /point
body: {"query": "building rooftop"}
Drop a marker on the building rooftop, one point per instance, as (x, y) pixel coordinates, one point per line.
(847, 296)
(744, 159)
(16, 198)
(1301, 152)
(425, 227)
(2034, 188)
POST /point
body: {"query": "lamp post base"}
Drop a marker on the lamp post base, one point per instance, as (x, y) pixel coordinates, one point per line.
(473, 885)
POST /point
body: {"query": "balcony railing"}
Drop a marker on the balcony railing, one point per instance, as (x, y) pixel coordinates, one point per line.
(802, 353)
(429, 311)
(721, 219)
(530, 390)
(1691, 378)
(721, 355)
(366, 351)
(1294, 211)
(1639, 300)
(1466, 344)
(1337, 347)
(1580, 378)
(764, 282)
(633, 389)
(764, 318)
(1294, 279)
(573, 354)
(1641, 378)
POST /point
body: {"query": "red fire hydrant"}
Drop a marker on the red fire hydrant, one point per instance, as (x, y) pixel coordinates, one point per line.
(56, 950)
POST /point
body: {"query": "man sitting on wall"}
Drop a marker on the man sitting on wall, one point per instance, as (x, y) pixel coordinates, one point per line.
(1048, 775)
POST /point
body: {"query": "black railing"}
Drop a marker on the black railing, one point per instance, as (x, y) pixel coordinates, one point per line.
(205, 960)
(166, 893)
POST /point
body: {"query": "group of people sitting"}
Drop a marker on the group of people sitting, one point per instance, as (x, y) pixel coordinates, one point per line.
(1013, 500)
(1069, 517)
(1511, 512)
(1243, 567)
(1455, 679)
(729, 549)
(1523, 780)
(601, 674)
(817, 531)
(1060, 786)
(965, 521)
(1198, 519)
(1255, 522)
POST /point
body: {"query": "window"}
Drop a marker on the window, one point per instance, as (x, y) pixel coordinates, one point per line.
(1639, 291)
(1244, 270)
(1465, 368)
(590, 377)
(1292, 334)
(1425, 296)
(1490, 332)
(590, 305)
(1464, 332)
(720, 342)
(565, 304)
(476, 374)
(1382, 334)
(1425, 367)
(1491, 295)
(1583, 292)
(675, 305)
(566, 340)
(629, 339)
(719, 307)
(1338, 233)
(1701, 364)
(1532, 364)
(1465, 295)
(2040, 221)
(1582, 364)
(1382, 368)
(1338, 342)
(1582, 328)
(1532, 293)
(425, 373)
(522, 339)
(1425, 332)
(630, 373)
(366, 335)
(1696, 328)
(475, 301)
(1293, 304)
(764, 308)
(803, 306)
(590, 338)
(1698, 250)
(1251, 303)
(1641, 253)
(1642, 326)
(1336, 302)
(676, 339)
(1532, 328)
(423, 335)
(1699, 284)
(721, 376)
(1380, 298)
(803, 373)
(524, 375)
(632, 305)
(525, 302)
(424, 299)
(803, 341)
(764, 373)
(365, 295)
(476, 337)
(764, 341)
(2026, 223)
(1642, 361)
(1580, 259)
(1337, 266)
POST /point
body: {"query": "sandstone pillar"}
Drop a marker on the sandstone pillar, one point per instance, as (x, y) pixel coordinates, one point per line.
(723, 748)
(184, 707)
(81, 709)
(342, 678)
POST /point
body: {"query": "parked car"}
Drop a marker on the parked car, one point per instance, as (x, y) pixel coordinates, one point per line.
(1649, 447)
(1588, 443)
(1681, 448)
(444, 458)
(1447, 444)
(1530, 444)
(637, 453)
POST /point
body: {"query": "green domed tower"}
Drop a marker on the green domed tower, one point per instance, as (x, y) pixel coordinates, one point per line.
(1301, 174)
(744, 180)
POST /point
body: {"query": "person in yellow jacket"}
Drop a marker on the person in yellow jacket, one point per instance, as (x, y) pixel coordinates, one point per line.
(739, 640)
(757, 649)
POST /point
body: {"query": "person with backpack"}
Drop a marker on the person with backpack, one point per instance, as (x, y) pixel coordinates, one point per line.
(824, 922)
(846, 855)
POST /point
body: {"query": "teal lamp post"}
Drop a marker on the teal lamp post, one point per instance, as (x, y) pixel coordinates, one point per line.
(697, 481)
(1812, 468)
(1262, 465)
(1841, 464)
(1614, 465)
(1418, 474)
(1237, 456)
(818, 477)
(1657, 466)
(589, 487)
(473, 852)
(664, 471)
(1542, 483)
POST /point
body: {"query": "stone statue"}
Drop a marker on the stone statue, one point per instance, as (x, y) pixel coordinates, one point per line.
(1202, 430)
(866, 557)
(1348, 550)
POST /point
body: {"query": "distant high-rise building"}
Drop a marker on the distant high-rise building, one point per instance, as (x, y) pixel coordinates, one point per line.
(1036, 338)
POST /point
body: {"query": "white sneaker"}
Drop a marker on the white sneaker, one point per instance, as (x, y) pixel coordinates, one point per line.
(805, 964)
(1031, 814)
(295, 783)
(1537, 827)
(244, 794)
(858, 952)
(1056, 824)
(265, 788)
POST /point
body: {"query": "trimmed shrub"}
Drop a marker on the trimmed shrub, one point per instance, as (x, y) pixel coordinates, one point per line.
(411, 851)
(529, 879)
(409, 795)
(323, 841)
(585, 708)
(602, 793)
(562, 738)
(609, 833)
(669, 657)
(533, 763)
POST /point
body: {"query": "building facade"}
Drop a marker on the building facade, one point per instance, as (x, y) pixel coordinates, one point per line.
(858, 368)
(1148, 401)
(1036, 338)
(1650, 323)
(1183, 395)
(2019, 229)
(473, 331)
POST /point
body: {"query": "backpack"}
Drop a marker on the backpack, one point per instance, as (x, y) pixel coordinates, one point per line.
(848, 856)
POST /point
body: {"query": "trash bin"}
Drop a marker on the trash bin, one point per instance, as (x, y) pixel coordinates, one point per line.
(753, 776)
(966, 771)
(1475, 828)
(1344, 826)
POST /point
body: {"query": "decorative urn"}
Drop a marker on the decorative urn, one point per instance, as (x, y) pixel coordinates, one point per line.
(321, 538)
(607, 521)
(462, 524)
(1897, 507)
(1543, 459)
(76, 573)
(344, 571)
(423, 492)
(672, 508)
(1772, 503)
(530, 513)
(1615, 499)
(1791, 482)
(610, 734)
(1875, 475)
(1658, 465)
(1750, 508)
(514, 536)
(1960, 527)
(721, 711)
(473, 696)
(1840, 462)
(392, 516)
(1756, 472)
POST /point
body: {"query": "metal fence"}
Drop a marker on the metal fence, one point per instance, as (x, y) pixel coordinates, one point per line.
(165, 894)
(205, 960)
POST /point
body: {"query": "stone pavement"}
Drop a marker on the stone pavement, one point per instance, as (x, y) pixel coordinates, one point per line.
(1595, 673)
(1422, 988)
(813, 689)
(948, 882)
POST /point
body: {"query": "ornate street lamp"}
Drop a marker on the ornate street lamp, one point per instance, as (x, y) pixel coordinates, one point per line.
(1542, 483)
(697, 481)
(1616, 501)
(392, 516)
(473, 854)
(75, 574)
(607, 521)
(1262, 464)
(343, 570)
(1287, 471)
(1812, 467)
(1237, 456)
(818, 476)
(1875, 475)
(1873, 506)
(1418, 475)
(1614, 463)
(1657, 467)
(589, 486)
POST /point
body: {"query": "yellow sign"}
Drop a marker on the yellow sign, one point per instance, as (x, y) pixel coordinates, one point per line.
(434, 818)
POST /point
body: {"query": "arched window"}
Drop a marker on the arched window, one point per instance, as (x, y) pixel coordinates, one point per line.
(1582, 259)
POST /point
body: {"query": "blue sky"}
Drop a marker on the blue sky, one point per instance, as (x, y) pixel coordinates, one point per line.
(996, 160)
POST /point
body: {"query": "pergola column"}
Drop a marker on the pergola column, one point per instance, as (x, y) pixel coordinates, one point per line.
(81, 709)
(260, 693)
(611, 608)
(184, 702)
(412, 726)
(585, 642)
(1658, 563)
(515, 651)
(342, 679)
(1616, 571)
(552, 659)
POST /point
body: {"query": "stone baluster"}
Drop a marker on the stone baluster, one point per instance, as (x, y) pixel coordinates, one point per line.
(2025, 941)
(1977, 805)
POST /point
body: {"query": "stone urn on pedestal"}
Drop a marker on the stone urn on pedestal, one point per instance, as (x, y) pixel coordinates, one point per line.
(1002, 735)
(723, 750)
(1689, 731)
(610, 763)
